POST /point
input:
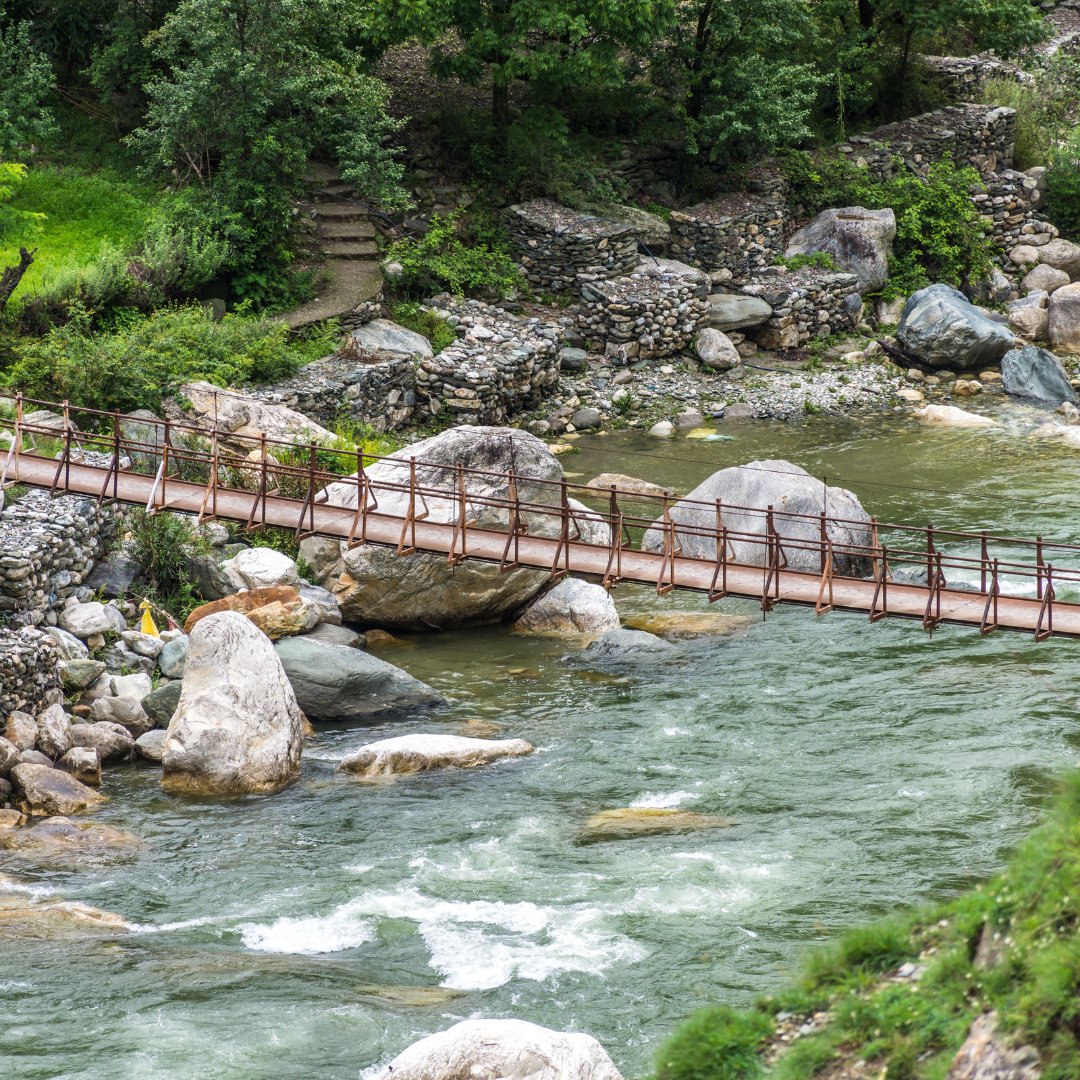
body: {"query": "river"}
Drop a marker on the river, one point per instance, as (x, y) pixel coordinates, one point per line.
(322, 930)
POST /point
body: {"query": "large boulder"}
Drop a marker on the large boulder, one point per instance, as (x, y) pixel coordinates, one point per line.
(1064, 320)
(161, 704)
(732, 311)
(246, 418)
(1036, 374)
(715, 350)
(260, 568)
(44, 791)
(573, 608)
(87, 620)
(1044, 278)
(422, 752)
(1062, 255)
(391, 340)
(237, 728)
(943, 329)
(859, 240)
(335, 682)
(789, 490)
(507, 1049)
(423, 591)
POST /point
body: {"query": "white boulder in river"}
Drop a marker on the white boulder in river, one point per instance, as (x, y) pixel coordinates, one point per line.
(506, 1049)
(237, 728)
(572, 608)
(418, 753)
(945, 330)
(423, 591)
(789, 490)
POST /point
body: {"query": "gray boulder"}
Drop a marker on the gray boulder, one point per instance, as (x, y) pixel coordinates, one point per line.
(161, 704)
(416, 753)
(732, 311)
(424, 592)
(237, 728)
(68, 647)
(573, 608)
(331, 634)
(127, 712)
(113, 742)
(715, 350)
(79, 674)
(1044, 278)
(789, 490)
(859, 240)
(44, 791)
(944, 330)
(390, 339)
(1062, 255)
(86, 620)
(1036, 374)
(1028, 316)
(54, 731)
(172, 657)
(84, 763)
(626, 645)
(509, 1049)
(151, 745)
(1064, 320)
(335, 682)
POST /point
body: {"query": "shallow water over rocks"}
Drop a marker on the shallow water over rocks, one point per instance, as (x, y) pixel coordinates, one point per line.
(322, 930)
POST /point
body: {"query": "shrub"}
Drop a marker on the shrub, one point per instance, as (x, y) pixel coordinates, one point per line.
(146, 357)
(1063, 186)
(452, 257)
(715, 1044)
(414, 317)
(162, 544)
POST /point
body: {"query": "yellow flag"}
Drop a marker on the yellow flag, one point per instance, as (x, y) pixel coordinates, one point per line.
(147, 626)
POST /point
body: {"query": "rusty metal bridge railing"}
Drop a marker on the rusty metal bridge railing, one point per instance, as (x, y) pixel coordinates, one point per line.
(934, 575)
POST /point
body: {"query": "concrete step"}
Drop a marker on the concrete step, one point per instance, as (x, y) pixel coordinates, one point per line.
(345, 190)
(347, 230)
(340, 211)
(350, 284)
(350, 249)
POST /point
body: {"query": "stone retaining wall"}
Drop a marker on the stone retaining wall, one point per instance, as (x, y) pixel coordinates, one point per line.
(499, 365)
(560, 248)
(47, 549)
(29, 668)
(962, 78)
(736, 232)
(1008, 205)
(379, 393)
(806, 304)
(979, 135)
(651, 312)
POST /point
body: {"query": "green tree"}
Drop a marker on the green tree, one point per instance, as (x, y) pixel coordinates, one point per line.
(250, 90)
(26, 80)
(736, 77)
(15, 225)
(553, 45)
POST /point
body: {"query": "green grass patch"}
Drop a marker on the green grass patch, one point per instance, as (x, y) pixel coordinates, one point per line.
(911, 1028)
(89, 218)
(414, 317)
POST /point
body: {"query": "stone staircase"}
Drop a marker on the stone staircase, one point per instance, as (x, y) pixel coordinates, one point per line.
(345, 239)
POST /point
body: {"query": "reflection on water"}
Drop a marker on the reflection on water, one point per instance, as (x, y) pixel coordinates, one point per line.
(322, 930)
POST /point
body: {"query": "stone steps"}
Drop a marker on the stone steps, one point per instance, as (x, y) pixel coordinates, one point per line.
(350, 249)
(340, 211)
(351, 283)
(347, 230)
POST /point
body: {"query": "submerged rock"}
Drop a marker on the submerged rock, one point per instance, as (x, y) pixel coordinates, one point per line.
(237, 728)
(336, 682)
(65, 840)
(419, 753)
(684, 624)
(374, 586)
(22, 919)
(951, 416)
(625, 645)
(627, 823)
(572, 608)
(626, 485)
(506, 1049)
(789, 490)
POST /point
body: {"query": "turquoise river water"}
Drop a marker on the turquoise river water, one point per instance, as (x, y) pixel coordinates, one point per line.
(320, 931)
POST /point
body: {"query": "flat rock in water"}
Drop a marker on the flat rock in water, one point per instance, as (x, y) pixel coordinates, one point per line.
(625, 645)
(951, 416)
(626, 485)
(627, 823)
(65, 840)
(21, 919)
(684, 624)
(45, 791)
(335, 682)
(420, 753)
(507, 1049)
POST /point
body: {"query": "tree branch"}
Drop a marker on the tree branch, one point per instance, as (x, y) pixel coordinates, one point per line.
(12, 275)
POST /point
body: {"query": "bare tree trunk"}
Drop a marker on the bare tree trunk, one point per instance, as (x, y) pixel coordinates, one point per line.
(12, 275)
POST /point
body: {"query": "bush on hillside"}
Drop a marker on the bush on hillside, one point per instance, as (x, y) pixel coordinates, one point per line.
(1063, 186)
(146, 357)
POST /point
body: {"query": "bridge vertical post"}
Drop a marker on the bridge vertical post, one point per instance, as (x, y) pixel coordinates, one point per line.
(1039, 564)
(824, 540)
(165, 446)
(615, 540)
(984, 560)
(15, 449)
(1046, 610)
(929, 551)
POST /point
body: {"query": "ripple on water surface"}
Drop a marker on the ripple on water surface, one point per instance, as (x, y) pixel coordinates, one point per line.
(324, 929)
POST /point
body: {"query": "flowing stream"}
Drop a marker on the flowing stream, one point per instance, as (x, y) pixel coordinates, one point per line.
(320, 931)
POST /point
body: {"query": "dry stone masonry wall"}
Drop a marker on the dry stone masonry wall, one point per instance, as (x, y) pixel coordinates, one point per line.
(29, 668)
(499, 365)
(651, 312)
(806, 304)
(560, 248)
(47, 549)
(736, 232)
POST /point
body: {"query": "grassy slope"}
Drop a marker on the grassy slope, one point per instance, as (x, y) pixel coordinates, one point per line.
(1028, 971)
(86, 185)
